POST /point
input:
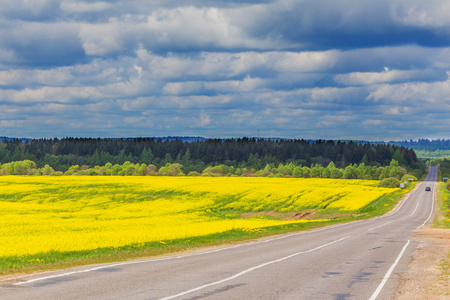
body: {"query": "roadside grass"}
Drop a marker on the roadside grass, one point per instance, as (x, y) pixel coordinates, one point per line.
(323, 216)
(442, 219)
(445, 273)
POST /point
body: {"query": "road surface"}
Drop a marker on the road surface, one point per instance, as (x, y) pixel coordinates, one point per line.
(357, 260)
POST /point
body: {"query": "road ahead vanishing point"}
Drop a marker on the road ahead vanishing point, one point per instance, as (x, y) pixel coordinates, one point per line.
(357, 260)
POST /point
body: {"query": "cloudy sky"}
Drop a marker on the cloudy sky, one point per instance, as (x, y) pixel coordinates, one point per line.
(360, 69)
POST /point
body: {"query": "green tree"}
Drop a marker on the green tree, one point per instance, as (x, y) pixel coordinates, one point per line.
(306, 172)
(17, 155)
(336, 173)
(185, 160)
(298, 172)
(397, 172)
(315, 172)
(327, 171)
(147, 156)
(151, 170)
(5, 154)
(116, 169)
(174, 169)
(399, 157)
(95, 159)
(167, 159)
(350, 172)
(47, 170)
(389, 183)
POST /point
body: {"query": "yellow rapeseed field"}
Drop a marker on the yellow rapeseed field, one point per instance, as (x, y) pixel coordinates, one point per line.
(45, 213)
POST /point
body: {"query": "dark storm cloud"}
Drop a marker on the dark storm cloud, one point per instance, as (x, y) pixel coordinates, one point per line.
(332, 24)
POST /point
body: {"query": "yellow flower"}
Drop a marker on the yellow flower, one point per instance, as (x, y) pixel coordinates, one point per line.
(42, 214)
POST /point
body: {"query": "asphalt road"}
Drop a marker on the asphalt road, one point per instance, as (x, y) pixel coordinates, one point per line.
(357, 260)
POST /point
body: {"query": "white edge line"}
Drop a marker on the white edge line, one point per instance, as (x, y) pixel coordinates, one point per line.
(388, 274)
(251, 269)
(180, 256)
(403, 202)
(370, 229)
(417, 206)
(432, 208)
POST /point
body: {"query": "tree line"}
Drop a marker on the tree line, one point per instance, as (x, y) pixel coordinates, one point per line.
(62, 154)
(444, 169)
(425, 144)
(394, 172)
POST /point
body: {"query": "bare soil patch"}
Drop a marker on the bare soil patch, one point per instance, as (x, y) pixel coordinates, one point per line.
(309, 214)
(428, 275)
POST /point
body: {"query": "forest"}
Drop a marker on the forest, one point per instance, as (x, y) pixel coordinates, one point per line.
(425, 144)
(242, 156)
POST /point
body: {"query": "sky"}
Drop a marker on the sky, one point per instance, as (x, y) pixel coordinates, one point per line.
(347, 69)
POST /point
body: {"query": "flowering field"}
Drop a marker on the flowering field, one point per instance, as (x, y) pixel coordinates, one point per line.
(62, 214)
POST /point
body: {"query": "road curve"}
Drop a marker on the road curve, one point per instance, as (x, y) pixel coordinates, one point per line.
(357, 260)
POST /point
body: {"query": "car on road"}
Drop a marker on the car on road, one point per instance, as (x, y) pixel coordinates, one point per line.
(427, 189)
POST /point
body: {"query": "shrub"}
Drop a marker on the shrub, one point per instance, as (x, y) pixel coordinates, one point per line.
(390, 182)
(194, 173)
(407, 176)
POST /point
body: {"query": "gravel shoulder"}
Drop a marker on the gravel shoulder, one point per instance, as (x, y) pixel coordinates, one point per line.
(428, 275)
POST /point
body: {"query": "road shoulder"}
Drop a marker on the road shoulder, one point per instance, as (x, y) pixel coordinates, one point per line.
(427, 277)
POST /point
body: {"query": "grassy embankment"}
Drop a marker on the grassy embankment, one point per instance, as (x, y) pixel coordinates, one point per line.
(442, 220)
(50, 223)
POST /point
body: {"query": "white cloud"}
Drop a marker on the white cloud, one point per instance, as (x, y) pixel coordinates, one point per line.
(421, 95)
(84, 7)
(101, 39)
(248, 84)
(183, 88)
(369, 78)
(305, 61)
(281, 66)
(417, 13)
(204, 120)
(53, 77)
(333, 94)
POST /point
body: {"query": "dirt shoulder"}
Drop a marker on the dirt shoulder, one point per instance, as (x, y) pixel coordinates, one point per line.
(428, 275)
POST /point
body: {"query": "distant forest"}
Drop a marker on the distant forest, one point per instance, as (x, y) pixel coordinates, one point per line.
(425, 144)
(61, 154)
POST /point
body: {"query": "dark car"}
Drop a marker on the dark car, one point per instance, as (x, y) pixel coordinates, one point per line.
(427, 189)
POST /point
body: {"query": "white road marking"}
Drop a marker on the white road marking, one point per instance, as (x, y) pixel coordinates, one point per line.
(401, 204)
(393, 212)
(388, 274)
(417, 206)
(179, 256)
(380, 225)
(252, 269)
(432, 209)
